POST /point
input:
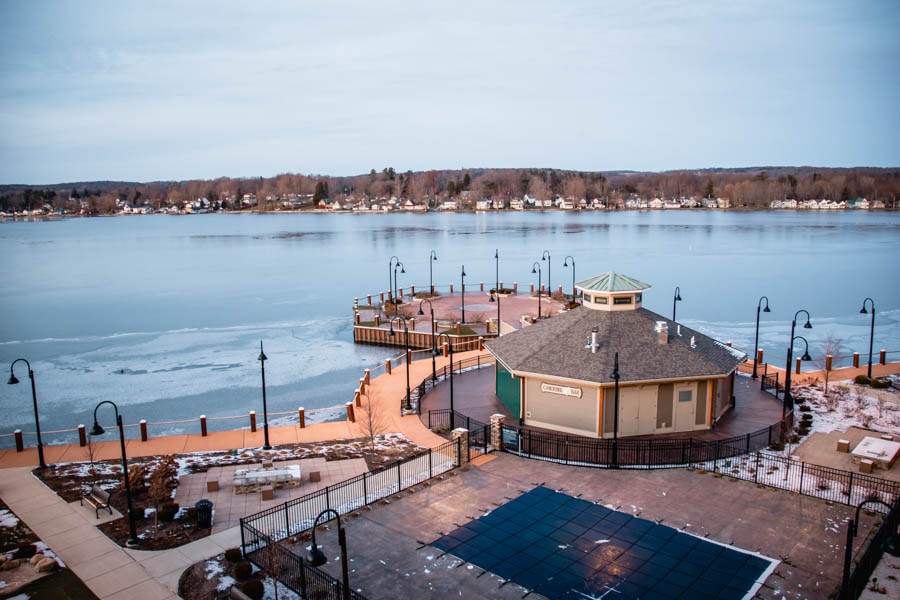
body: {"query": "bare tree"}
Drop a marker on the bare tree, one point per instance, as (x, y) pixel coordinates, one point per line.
(370, 418)
(831, 345)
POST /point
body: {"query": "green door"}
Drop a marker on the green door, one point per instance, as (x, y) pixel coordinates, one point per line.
(508, 390)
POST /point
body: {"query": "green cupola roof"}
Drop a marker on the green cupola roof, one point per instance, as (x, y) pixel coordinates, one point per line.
(611, 282)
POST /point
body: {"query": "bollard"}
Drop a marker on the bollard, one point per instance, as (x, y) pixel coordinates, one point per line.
(143, 430)
(19, 444)
(461, 449)
(301, 414)
(252, 420)
(382, 298)
(515, 288)
(82, 436)
(451, 288)
(728, 343)
(856, 359)
(362, 385)
(532, 289)
(797, 369)
(400, 294)
(882, 357)
(432, 289)
(542, 289)
(499, 286)
(387, 366)
(390, 295)
(356, 318)
(497, 431)
(759, 356)
(445, 350)
(368, 374)
(369, 300)
(458, 328)
(356, 398)
(355, 302)
(412, 324)
(377, 321)
(203, 425)
(482, 286)
(412, 291)
(480, 342)
(350, 416)
(560, 290)
(828, 362)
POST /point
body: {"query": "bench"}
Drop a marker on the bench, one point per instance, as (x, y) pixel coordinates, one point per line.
(236, 594)
(97, 498)
(865, 465)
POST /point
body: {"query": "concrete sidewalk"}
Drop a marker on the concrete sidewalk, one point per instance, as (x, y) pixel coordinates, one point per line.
(386, 390)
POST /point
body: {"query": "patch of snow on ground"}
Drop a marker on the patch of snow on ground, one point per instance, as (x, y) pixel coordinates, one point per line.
(46, 551)
(148, 512)
(7, 519)
(849, 405)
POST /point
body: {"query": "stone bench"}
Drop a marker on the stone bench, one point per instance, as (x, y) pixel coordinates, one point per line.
(843, 446)
(866, 465)
(267, 492)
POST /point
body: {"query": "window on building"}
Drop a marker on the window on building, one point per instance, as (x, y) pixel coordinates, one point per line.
(637, 298)
(622, 300)
(587, 297)
(600, 300)
(685, 396)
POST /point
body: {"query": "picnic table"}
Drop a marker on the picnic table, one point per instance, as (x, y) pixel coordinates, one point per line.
(882, 452)
(251, 480)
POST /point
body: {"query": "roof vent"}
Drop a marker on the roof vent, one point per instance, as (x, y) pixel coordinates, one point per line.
(595, 339)
(662, 332)
(693, 342)
(678, 330)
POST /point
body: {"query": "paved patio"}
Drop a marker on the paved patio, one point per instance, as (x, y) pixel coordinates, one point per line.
(391, 555)
(230, 507)
(821, 449)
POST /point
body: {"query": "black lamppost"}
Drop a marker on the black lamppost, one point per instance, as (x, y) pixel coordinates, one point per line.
(756, 343)
(788, 401)
(316, 558)
(536, 268)
(97, 430)
(566, 264)
(37, 422)
(262, 358)
(546, 256)
(677, 298)
(462, 290)
(402, 319)
(431, 258)
(433, 351)
(390, 281)
(452, 411)
(396, 291)
(615, 375)
(862, 311)
(497, 286)
(890, 544)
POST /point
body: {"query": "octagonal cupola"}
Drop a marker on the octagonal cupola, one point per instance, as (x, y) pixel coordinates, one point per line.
(611, 291)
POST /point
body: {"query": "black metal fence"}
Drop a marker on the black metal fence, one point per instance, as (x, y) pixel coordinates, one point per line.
(472, 363)
(871, 555)
(291, 570)
(445, 420)
(769, 383)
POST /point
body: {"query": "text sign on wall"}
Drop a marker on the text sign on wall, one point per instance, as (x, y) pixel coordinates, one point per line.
(560, 389)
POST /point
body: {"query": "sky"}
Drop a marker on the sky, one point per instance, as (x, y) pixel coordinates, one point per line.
(181, 90)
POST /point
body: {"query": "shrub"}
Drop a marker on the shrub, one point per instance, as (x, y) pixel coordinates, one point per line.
(242, 570)
(805, 408)
(802, 430)
(233, 555)
(254, 588)
(167, 511)
(26, 551)
(776, 446)
(793, 438)
(191, 514)
(881, 384)
(861, 380)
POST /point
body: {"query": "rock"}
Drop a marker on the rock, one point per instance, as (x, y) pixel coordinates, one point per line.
(46, 565)
(12, 564)
(36, 559)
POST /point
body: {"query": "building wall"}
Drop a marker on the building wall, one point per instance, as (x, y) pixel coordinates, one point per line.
(561, 412)
(507, 387)
(651, 409)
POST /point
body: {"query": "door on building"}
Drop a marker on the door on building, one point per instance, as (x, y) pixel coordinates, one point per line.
(629, 407)
(684, 408)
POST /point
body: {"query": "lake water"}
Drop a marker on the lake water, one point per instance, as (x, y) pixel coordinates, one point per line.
(164, 314)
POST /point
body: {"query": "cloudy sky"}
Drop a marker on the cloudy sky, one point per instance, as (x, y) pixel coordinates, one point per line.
(177, 90)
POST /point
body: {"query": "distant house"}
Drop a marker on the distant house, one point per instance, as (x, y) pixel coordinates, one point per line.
(483, 205)
(448, 205)
(499, 203)
(548, 203)
(517, 204)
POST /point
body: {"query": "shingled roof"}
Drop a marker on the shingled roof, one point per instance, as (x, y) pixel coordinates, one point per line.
(556, 347)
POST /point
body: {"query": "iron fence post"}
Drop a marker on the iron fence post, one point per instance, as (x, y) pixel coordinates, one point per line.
(365, 491)
(850, 489)
(399, 482)
(848, 556)
(327, 501)
(802, 468)
(485, 433)
(529, 443)
(429, 419)
(243, 541)
(287, 520)
(682, 451)
(458, 453)
(430, 473)
(756, 469)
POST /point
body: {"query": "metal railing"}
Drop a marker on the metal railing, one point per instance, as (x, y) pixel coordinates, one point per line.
(445, 420)
(871, 555)
(769, 383)
(431, 380)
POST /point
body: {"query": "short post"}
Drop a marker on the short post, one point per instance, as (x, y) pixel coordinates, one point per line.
(143, 430)
(302, 416)
(497, 431)
(728, 343)
(797, 367)
(377, 320)
(855, 360)
(412, 324)
(20, 445)
(252, 420)
(882, 357)
(532, 289)
(356, 318)
(369, 300)
(481, 285)
(828, 360)
(368, 373)
(432, 289)
(362, 385)
(400, 294)
(412, 291)
(356, 398)
(560, 290)
(451, 288)
(382, 298)
(350, 416)
(82, 436)
(499, 286)
(461, 449)
(445, 349)
(759, 356)
(458, 328)
(355, 303)
(387, 366)
(481, 342)
(203, 425)
(515, 288)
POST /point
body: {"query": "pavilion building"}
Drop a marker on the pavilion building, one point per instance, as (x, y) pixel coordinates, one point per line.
(557, 373)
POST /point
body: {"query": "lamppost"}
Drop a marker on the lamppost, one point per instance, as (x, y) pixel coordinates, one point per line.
(756, 343)
(390, 281)
(615, 375)
(497, 286)
(546, 256)
(677, 298)
(452, 411)
(37, 422)
(402, 319)
(433, 350)
(462, 290)
(262, 358)
(431, 258)
(862, 311)
(890, 544)
(566, 264)
(538, 271)
(788, 400)
(316, 558)
(97, 430)
(396, 289)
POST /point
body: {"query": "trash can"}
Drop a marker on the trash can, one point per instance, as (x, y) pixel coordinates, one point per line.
(204, 514)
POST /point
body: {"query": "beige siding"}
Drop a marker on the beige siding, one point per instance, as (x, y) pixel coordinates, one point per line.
(556, 411)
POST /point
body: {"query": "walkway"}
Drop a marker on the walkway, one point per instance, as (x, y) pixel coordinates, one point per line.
(891, 368)
(386, 391)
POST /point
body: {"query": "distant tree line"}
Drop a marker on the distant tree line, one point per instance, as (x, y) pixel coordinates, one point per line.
(746, 188)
